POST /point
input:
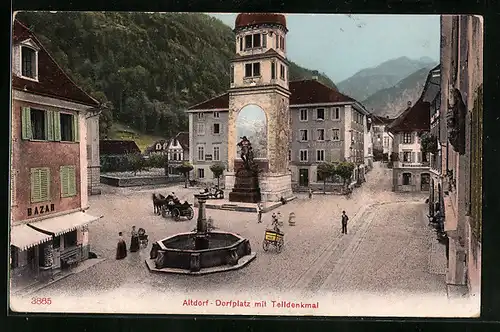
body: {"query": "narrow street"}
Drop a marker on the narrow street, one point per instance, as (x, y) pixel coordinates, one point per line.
(386, 249)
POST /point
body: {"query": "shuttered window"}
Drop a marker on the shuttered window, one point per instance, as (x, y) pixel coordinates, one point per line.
(12, 187)
(40, 184)
(39, 124)
(68, 181)
(26, 123)
(49, 125)
(56, 118)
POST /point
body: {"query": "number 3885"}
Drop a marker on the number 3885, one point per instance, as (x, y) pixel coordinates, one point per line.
(41, 300)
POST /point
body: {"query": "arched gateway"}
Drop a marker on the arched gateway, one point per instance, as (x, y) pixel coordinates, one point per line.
(259, 76)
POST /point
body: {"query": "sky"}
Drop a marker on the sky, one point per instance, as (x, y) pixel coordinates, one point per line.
(341, 45)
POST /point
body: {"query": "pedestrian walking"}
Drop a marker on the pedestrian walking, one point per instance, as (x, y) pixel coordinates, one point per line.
(121, 248)
(310, 193)
(134, 240)
(259, 213)
(345, 218)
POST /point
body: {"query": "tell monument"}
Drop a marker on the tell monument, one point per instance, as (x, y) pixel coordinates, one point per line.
(259, 80)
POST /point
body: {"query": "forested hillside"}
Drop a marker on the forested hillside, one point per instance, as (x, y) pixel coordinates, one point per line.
(147, 67)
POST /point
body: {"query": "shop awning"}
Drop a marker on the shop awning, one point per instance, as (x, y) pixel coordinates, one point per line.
(24, 237)
(65, 223)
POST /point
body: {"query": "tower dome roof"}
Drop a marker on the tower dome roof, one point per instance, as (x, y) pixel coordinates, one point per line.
(249, 19)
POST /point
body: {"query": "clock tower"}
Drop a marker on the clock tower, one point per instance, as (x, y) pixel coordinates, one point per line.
(259, 77)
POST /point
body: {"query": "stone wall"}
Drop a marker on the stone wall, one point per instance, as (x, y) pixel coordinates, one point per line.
(139, 181)
(94, 180)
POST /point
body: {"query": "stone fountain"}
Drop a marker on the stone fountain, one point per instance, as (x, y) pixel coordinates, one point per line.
(202, 251)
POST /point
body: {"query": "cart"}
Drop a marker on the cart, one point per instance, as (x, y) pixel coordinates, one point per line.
(143, 238)
(273, 237)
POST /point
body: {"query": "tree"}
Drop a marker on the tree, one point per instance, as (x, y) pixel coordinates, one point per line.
(185, 168)
(159, 160)
(428, 143)
(326, 170)
(217, 169)
(344, 170)
(136, 162)
(135, 59)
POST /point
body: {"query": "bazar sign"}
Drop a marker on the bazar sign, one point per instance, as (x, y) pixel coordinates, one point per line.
(41, 209)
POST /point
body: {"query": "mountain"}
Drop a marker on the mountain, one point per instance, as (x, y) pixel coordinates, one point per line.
(370, 80)
(146, 67)
(392, 101)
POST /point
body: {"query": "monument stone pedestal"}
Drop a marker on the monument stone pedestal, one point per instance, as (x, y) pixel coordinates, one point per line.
(246, 187)
(275, 186)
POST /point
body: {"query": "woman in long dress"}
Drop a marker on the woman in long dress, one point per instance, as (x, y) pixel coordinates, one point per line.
(134, 241)
(121, 248)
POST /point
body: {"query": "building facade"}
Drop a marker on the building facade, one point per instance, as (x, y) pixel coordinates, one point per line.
(432, 93)
(411, 170)
(460, 128)
(382, 138)
(208, 136)
(325, 127)
(49, 185)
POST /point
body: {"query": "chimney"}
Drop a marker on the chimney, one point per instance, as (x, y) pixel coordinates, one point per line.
(315, 78)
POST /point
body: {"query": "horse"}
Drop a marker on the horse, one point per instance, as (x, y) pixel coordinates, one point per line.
(158, 201)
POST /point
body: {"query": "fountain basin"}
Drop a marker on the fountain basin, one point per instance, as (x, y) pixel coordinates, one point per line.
(177, 254)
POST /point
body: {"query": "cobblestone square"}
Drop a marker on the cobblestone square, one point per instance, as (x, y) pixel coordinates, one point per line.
(386, 250)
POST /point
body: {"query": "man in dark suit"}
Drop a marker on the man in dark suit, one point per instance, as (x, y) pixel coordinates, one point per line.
(345, 218)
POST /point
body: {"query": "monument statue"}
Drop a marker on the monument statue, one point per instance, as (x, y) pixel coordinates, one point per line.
(246, 152)
(246, 188)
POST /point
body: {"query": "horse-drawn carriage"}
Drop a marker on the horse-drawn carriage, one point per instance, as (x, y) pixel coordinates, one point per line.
(214, 193)
(172, 206)
(177, 210)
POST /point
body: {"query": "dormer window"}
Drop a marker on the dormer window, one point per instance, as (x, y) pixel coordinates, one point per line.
(29, 62)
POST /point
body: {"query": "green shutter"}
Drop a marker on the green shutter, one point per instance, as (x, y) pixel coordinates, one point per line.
(68, 181)
(57, 125)
(64, 181)
(40, 185)
(76, 128)
(49, 125)
(71, 181)
(26, 123)
(45, 184)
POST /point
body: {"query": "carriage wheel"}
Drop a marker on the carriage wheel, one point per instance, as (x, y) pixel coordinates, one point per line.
(265, 245)
(190, 213)
(279, 245)
(176, 214)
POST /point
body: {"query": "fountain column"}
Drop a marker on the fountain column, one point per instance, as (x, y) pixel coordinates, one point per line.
(201, 238)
